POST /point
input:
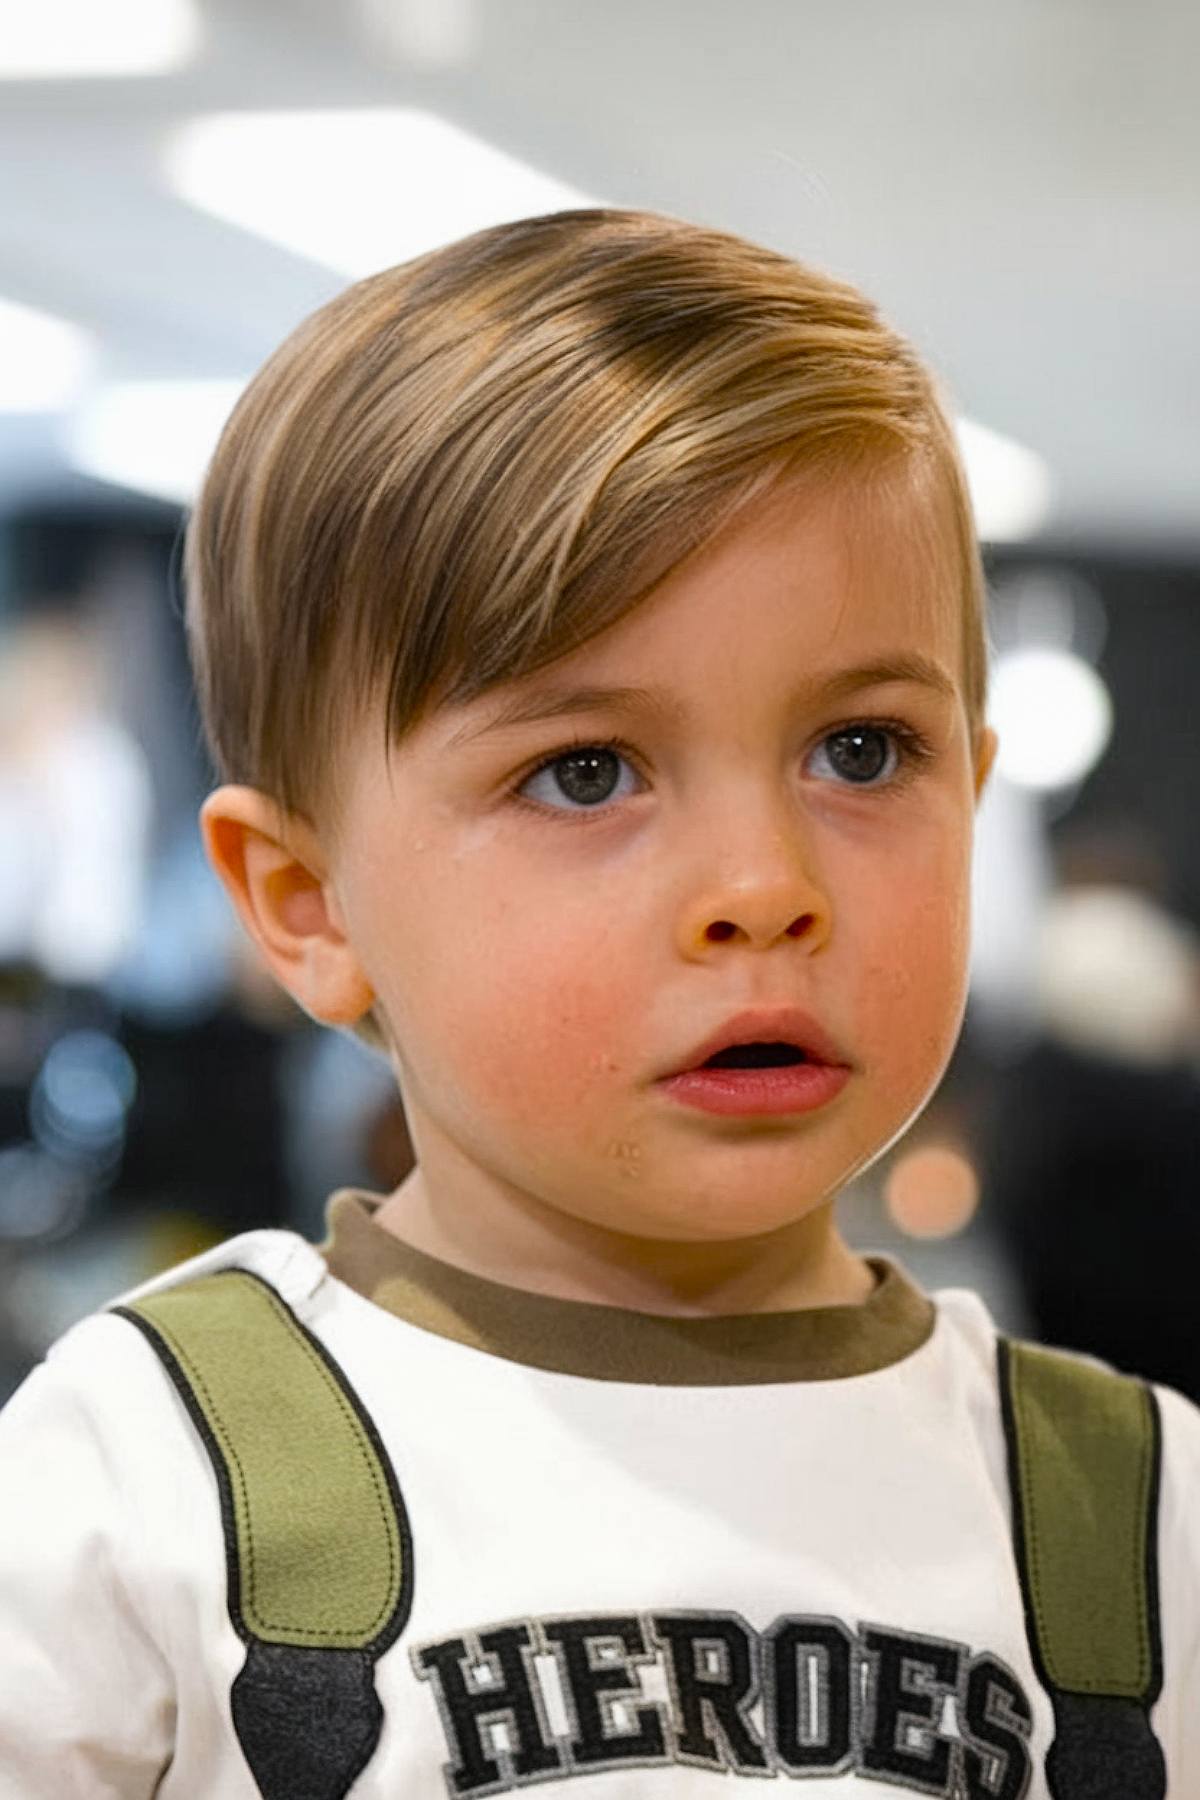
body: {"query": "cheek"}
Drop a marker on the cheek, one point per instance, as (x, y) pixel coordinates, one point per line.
(539, 1034)
(914, 954)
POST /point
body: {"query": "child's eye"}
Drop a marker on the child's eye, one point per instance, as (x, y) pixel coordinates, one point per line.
(586, 773)
(860, 752)
(869, 754)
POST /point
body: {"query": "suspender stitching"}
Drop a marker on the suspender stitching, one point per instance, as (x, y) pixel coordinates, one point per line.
(1143, 1517)
(1029, 1501)
(228, 1445)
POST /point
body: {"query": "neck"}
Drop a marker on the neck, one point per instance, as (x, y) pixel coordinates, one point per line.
(524, 1244)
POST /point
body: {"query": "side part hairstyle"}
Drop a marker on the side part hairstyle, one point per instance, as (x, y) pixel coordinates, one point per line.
(462, 468)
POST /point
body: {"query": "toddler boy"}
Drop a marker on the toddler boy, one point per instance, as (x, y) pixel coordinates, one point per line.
(588, 626)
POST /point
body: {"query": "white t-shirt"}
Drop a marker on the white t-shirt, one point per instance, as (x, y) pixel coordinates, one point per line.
(651, 1556)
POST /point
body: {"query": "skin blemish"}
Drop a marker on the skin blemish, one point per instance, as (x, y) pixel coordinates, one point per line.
(626, 1152)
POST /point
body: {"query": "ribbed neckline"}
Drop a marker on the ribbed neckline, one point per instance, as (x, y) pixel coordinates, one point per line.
(609, 1343)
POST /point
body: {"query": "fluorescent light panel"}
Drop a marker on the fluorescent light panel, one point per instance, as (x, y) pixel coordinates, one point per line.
(61, 39)
(152, 436)
(357, 190)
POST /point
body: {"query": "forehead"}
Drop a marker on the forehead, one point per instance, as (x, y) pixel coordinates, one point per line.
(878, 546)
(835, 578)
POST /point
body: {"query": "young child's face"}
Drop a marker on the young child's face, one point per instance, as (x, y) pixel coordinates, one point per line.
(543, 970)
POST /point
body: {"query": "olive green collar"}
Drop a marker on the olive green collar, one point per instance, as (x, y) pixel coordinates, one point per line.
(609, 1343)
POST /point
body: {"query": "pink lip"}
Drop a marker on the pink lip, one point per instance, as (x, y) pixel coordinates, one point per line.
(793, 1088)
(767, 1025)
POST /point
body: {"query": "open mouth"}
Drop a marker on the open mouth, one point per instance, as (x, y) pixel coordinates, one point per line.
(755, 1056)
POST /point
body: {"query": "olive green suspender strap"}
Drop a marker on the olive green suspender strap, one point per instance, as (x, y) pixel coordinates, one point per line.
(318, 1548)
(320, 1561)
(1084, 1453)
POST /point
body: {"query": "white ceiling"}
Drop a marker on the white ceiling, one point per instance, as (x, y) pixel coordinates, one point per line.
(1018, 185)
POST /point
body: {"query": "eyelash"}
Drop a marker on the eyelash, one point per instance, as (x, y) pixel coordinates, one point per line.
(913, 749)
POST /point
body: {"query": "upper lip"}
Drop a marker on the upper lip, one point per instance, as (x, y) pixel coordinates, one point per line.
(767, 1025)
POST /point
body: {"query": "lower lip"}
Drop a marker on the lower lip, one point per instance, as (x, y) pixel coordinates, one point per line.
(793, 1088)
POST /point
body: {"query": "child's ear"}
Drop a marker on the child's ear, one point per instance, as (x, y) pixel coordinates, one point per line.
(276, 874)
(985, 756)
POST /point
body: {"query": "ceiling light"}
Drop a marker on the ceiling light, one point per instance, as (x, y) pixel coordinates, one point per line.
(62, 39)
(153, 436)
(357, 190)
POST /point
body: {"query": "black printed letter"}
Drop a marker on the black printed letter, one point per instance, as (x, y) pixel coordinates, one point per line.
(999, 1717)
(810, 1730)
(909, 1676)
(712, 1678)
(594, 1655)
(501, 1688)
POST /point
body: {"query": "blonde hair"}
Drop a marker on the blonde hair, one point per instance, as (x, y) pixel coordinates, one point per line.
(461, 469)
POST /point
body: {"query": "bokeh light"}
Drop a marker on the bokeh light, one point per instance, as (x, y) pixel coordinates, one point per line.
(1053, 714)
(932, 1191)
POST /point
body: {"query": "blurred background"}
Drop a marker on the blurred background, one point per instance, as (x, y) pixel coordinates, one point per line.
(182, 181)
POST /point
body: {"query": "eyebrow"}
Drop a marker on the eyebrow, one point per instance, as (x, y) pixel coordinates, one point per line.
(555, 702)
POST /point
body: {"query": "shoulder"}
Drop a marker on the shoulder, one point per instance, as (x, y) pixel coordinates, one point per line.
(101, 1380)
(1177, 1555)
(1180, 1427)
(1179, 1481)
